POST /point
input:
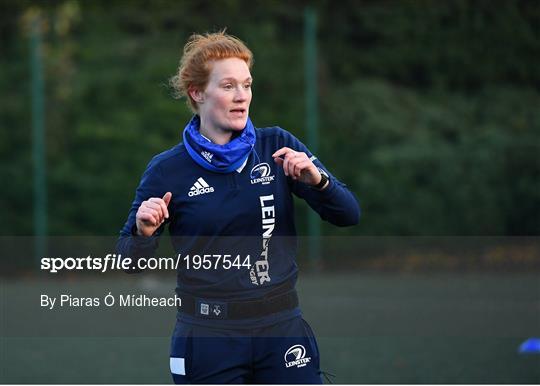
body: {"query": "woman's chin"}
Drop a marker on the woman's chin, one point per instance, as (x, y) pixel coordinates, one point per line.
(238, 124)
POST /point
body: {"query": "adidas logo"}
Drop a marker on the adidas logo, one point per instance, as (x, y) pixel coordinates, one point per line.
(207, 155)
(200, 187)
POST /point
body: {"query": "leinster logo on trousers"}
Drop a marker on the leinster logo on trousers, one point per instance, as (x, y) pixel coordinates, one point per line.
(261, 174)
(296, 356)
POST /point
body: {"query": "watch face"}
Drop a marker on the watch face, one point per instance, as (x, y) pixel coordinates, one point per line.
(323, 172)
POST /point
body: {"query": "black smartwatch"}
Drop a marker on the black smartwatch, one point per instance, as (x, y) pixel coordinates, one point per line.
(321, 184)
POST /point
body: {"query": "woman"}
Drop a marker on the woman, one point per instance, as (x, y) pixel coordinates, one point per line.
(226, 189)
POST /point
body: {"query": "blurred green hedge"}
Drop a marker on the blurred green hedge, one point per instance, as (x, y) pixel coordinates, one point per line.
(428, 110)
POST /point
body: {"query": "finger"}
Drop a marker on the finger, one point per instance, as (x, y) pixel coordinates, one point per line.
(299, 158)
(155, 206)
(152, 218)
(155, 216)
(279, 161)
(154, 203)
(286, 154)
(146, 217)
(291, 159)
(289, 156)
(167, 198)
(301, 166)
(282, 151)
(161, 205)
(287, 166)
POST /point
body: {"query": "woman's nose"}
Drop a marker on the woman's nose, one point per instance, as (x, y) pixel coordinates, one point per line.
(241, 94)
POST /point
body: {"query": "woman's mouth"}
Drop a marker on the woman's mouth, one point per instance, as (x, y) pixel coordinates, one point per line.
(238, 112)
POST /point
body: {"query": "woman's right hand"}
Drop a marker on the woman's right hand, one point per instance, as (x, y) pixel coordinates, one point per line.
(151, 214)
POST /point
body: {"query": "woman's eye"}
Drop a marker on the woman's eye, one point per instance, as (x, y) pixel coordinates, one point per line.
(247, 86)
(228, 87)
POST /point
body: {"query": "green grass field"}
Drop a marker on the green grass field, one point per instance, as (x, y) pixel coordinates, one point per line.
(371, 328)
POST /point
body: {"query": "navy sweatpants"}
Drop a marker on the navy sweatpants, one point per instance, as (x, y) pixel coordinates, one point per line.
(285, 352)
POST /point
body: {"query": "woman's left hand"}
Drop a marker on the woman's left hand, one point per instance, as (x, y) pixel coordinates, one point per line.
(297, 165)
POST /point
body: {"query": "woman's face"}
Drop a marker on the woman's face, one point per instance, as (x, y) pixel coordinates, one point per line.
(224, 104)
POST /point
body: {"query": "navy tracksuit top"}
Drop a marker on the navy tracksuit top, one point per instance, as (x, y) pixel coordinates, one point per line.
(247, 212)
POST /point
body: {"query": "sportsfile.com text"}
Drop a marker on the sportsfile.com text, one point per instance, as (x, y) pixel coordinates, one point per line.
(113, 261)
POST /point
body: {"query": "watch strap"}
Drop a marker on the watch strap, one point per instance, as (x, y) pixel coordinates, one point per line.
(322, 183)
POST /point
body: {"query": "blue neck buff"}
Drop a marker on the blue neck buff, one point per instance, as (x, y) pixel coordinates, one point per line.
(218, 158)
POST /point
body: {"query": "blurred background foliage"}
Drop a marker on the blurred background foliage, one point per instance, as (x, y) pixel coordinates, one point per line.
(429, 111)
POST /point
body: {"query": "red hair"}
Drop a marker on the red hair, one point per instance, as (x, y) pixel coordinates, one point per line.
(196, 63)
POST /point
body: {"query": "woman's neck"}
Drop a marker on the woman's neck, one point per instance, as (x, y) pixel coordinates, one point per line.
(217, 136)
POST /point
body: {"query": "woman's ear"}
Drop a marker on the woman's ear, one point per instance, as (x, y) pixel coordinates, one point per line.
(196, 94)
